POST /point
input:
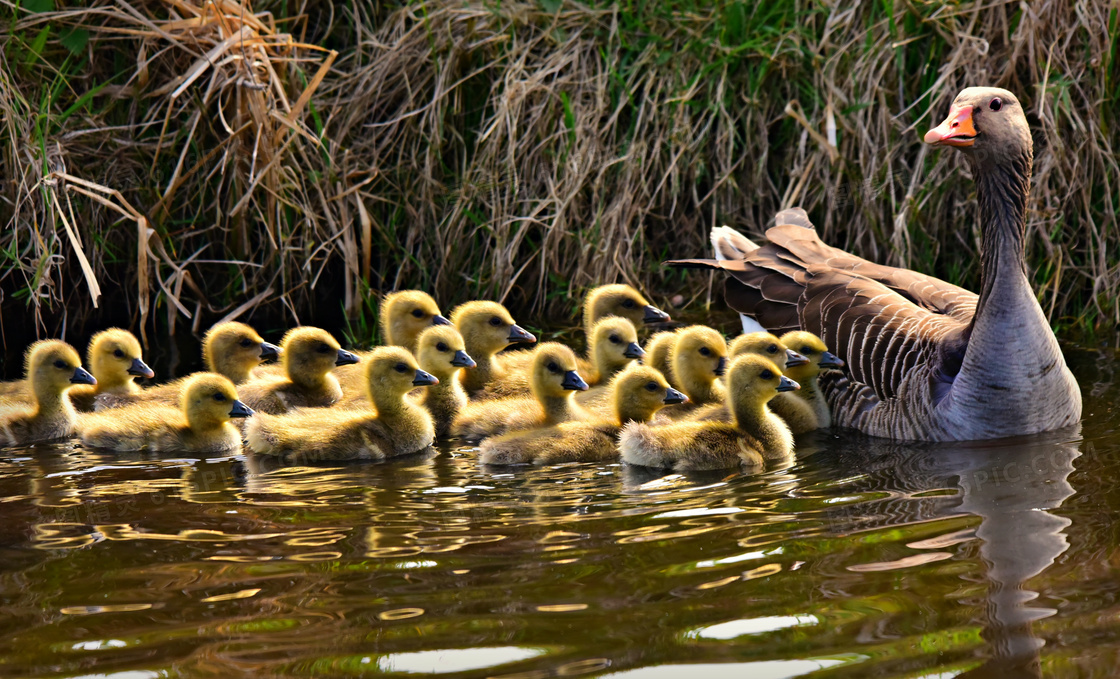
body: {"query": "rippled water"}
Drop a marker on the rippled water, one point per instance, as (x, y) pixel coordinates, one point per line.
(865, 558)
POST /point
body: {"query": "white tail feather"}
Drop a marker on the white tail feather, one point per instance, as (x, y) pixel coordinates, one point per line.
(731, 245)
(750, 325)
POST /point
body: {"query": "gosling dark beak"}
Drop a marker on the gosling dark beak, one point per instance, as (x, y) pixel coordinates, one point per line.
(269, 352)
(346, 358)
(672, 396)
(655, 315)
(786, 384)
(831, 360)
(573, 382)
(634, 351)
(440, 320)
(423, 379)
(239, 409)
(82, 376)
(140, 369)
(721, 367)
(794, 359)
(463, 360)
(518, 334)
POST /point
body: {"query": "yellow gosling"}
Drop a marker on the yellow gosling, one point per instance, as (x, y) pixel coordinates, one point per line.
(51, 368)
(405, 314)
(637, 393)
(115, 359)
(766, 345)
(487, 328)
(308, 356)
(699, 359)
(806, 374)
(201, 424)
(659, 348)
(554, 378)
(613, 346)
(395, 425)
(754, 435)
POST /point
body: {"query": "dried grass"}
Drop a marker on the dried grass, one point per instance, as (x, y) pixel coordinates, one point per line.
(523, 151)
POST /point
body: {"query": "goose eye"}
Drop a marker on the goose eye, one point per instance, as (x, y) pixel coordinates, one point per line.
(401, 368)
(995, 104)
(323, 348)
(418, 313)
(766, 374)
(441, 347)
(772, 349)
(552, 367)
(495, 321)
(705, 351)
(246, 343)
(629, 303)
(118, 353)
(651, 386)
(614, 339)
(60, 364)
(219, 397)
(807, 350)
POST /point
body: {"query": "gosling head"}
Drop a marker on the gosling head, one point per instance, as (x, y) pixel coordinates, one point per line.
(52, 367)
(988, 125)
(487, 328)
(233, 349)
(407, 313)
(767, 346)
(817, 354)
(622, 301)
(640, 391)
(210, 400)
(310, 353)
(753, 380)
(114, 358)
(440, 350)
(614, 344)
(699, 355)
(392, 372)
(554, 372)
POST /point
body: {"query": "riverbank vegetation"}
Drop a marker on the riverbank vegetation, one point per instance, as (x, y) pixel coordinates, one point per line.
(173, 163)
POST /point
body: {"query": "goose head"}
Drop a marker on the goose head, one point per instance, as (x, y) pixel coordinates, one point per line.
(768, 346)
(699, 356)
(405, 314)
(622, 301)
(752, 381)
(613, 345)
(209, 400)
(310, 353)
(553, 372)
(114, 358)
(233, 349)
(441, 351)
(814, 349)
(640, 391)
(392, 372)
(487, 328)
(52, 367)
(984, 122)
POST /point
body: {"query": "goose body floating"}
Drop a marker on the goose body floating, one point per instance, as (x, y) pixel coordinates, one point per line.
(927, 360)
(52, 367)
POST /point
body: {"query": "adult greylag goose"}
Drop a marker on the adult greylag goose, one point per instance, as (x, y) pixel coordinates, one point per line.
(928, 360)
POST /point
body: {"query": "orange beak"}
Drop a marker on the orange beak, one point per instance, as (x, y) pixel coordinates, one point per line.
(957, 130)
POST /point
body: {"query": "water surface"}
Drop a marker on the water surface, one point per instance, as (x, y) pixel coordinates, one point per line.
(864, 558)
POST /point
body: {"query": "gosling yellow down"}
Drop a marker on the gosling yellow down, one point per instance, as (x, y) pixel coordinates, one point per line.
(51, 368)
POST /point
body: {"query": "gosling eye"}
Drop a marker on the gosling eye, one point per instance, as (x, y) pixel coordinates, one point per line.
(418, 313)
(553, 368)
(652, 386)
(246, 343)
(495, 321)
(766, 374)
(60, 364)
(705, 351)
(772, 349)
(614, 339)
(219, 397)
(401, 368)
(995, 104)
(324, 348)
(628, 303)
(806, 350)
(118, 353)
(441, 347)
